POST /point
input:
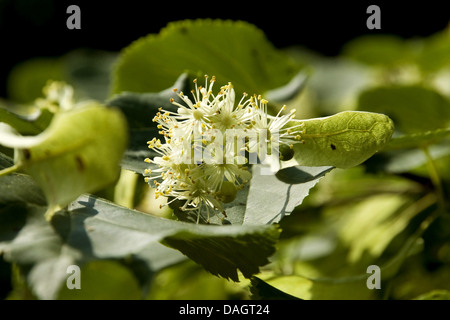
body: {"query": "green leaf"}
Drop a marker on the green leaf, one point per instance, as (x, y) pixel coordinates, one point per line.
(26, 80)
(418, 140)
(31, 123)
(261, 290)
(343, 140)
(234, 211)
(404, 160)
(368, 232)
(272, 197)
(288, 91)
(104, 280)
(435, 295)
(230, 248)
(87, 70)
(384, 50)
(223, 253)
(232, 51)
(46, 250)
(434, 51)
(79, 152)
(414, 109)
(335, 83)
(94, 229)
(267, 198)
(139, 110)
(351, 288)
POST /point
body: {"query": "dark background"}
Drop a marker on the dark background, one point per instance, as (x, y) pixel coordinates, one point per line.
(31, 28)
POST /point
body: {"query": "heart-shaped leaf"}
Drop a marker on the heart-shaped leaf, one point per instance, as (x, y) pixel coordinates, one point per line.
(232, 51)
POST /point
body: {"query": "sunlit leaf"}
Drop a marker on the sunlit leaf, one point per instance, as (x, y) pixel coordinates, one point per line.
(349, 288)
(343, 140)
(65, 159)
(272, 197)
(261, 290)
(435, 295)
(232, 51)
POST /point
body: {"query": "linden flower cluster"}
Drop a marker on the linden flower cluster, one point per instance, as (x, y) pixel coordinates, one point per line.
(204, 158)
(58, 96)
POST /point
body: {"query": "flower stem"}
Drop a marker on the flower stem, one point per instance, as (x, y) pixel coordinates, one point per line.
(9, 170)
(436, 180)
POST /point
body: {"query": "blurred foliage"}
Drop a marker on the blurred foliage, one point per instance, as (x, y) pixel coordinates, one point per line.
(392, 211)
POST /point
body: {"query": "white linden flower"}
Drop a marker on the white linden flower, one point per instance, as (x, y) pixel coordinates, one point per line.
(227, 115)
(273, 125)
(195, 193)
(197, 164)
(193, 117)
(58, 96)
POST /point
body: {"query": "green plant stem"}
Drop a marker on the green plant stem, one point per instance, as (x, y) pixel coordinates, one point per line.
(436, 180)
(397, 261)
(9, 170)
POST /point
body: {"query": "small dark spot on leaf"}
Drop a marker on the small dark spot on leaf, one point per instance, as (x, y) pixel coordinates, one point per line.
(183, 30)
(333, 147)
(80, 163)
(27, 154)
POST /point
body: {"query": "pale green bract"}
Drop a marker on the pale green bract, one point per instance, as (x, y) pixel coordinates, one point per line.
(64, 159)
(343, 140)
